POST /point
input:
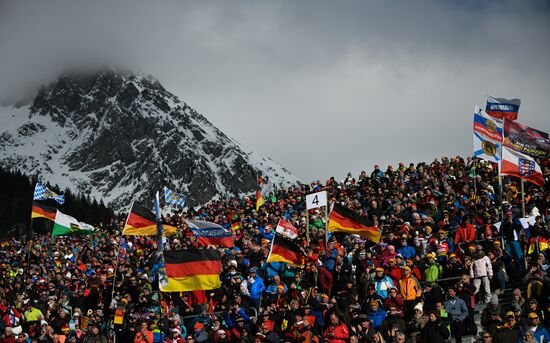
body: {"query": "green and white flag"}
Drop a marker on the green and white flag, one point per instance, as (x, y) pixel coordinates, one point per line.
(66, 225)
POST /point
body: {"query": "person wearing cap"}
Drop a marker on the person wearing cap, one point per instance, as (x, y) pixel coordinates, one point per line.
(482, 272)
(376, 315)
(409, 289)
(415, 326)
(382, 283)
(510, 331)
(433, 271)
(256, 286)
(540, 334)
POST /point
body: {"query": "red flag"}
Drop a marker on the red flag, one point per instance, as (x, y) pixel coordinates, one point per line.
(287, 229)
(517, 164)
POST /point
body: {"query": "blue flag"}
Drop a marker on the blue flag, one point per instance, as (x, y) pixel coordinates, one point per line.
(42, 192)
(173, 198)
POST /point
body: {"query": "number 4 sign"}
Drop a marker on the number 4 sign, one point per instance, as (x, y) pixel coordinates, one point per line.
(316, 200)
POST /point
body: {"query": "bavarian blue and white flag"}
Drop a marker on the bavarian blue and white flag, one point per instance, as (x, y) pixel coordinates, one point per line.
(42, 192)
(173, 198)
(487, 137)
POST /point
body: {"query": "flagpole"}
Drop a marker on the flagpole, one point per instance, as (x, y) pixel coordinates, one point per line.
(118, 250)
(522, 200)
(307, 226)
(326, 229)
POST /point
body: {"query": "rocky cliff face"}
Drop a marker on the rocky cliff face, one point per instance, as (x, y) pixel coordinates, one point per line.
(118, 137)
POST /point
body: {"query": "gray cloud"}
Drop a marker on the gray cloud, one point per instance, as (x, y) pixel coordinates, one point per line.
(322, 87)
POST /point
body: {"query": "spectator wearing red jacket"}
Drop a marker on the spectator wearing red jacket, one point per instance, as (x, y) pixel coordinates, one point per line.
(466, 232)
(337, 332)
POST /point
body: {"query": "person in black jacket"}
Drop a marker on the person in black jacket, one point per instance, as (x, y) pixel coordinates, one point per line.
(435, 331)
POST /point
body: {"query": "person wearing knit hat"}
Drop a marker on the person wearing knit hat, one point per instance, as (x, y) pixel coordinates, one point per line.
(376, 315)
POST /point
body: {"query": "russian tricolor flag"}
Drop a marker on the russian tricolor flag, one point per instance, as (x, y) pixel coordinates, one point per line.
(502, 108)
(208, 233)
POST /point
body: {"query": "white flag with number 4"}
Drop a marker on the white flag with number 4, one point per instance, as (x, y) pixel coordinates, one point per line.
(316, 200)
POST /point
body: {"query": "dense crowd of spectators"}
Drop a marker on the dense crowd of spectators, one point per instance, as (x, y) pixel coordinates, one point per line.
(441, 259)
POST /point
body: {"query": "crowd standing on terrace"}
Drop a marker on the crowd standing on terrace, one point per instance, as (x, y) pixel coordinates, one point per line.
(441, 259)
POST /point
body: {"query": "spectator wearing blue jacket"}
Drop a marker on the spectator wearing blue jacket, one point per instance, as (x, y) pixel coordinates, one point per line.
(533, 324)
(406, 250)
(458, 311)
(256, 287)
(377, 315)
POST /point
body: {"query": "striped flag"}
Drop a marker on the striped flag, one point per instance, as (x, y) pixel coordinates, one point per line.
(487, 136)
(192, 270)
(39, 210)
(502, 108)
(142, 222)
(208, 233)
(286, 229)
(42, 192)
(173, 198)
(284, 250)
(262, 192)
(516, 164)
(65, 225)
(343, 219)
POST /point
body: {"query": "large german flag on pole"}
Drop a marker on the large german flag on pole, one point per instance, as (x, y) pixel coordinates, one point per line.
(39, 210)
(343, 219)
(192, 270)
(143, 222)
(284, 250)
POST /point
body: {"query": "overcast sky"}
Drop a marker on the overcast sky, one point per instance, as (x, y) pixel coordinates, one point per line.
(322, 87)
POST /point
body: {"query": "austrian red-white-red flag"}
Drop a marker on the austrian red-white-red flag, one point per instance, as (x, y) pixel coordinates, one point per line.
(287, 229)
(517, 164)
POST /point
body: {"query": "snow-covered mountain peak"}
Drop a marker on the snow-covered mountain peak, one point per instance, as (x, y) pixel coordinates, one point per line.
(121, 136)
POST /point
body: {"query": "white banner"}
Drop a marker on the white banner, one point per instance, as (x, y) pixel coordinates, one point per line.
(316, 200)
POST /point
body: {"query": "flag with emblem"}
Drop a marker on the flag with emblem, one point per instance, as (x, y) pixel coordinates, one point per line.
(286, 229)
(173, 198)
(487, 136)
(66, 225)
(502, 108)
(516, 164)
(42, 192)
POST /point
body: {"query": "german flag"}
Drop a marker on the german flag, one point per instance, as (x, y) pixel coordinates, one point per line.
(284, 250)
(39, 210)
(343, 219)
(143, 222)
(192, 270)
